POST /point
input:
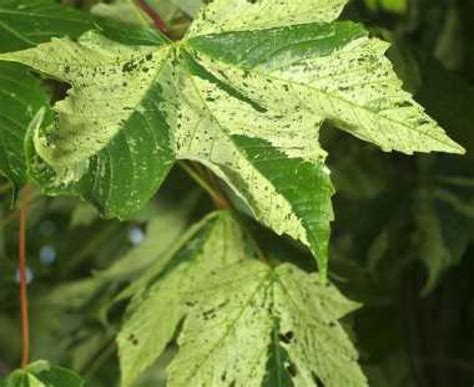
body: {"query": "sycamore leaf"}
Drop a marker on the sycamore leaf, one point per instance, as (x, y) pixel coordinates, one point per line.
(246, 322)
(21, 96)
(241, 313)
(245, 96)
(158, 307)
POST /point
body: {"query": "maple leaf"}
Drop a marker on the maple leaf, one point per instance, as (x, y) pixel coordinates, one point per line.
(245, 322)
(245, 96)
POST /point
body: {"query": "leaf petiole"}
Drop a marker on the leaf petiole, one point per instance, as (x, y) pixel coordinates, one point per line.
(217, 197)
(25, 323)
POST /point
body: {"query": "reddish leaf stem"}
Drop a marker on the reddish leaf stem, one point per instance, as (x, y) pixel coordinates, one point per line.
(152, 14)
(25, 324)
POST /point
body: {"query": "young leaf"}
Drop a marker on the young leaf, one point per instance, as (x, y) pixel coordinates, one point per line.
(244, 95)
(242, 312)
(157, 309)
(42, 374)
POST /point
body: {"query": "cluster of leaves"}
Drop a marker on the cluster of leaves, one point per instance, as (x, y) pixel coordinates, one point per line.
(239, 102)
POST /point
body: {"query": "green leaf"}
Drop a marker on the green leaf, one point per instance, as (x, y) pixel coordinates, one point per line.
(397, 6)
(245, 96)
(132, 154)
(158, 307)
(21, 96)
(239, 311)
(282, 322)
(26, 23)
(42, 374)
(23, 24)
(243, 15)
(431, 246)
(21, 379)
(441, 236)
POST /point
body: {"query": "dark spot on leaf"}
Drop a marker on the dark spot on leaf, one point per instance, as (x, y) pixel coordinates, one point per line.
(127, 67)
(317, 380)
(133, 339)
(287, 337)
(292, 370)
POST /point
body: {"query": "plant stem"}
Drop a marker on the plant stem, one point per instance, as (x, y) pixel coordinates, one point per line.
(25, 326)
(152, 14)
(220, 201)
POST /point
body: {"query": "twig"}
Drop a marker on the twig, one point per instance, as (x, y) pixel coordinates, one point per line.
(153, 15)
(25, 323)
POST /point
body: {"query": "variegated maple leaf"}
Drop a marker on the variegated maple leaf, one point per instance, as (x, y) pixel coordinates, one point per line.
(244, 93)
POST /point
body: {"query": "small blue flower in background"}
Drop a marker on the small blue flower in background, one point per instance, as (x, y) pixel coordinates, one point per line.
(136, 235)
(47, 254)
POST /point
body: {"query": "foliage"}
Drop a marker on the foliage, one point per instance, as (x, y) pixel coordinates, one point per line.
(109, 117)
(41, 374)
